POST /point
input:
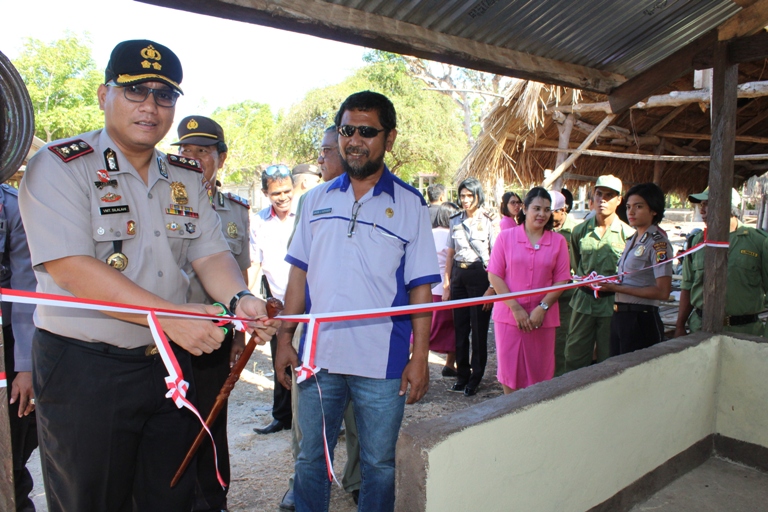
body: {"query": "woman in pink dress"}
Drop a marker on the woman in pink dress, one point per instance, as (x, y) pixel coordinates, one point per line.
(527, 257)
(509, 208)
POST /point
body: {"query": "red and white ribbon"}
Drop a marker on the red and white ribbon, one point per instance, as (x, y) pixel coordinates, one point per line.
(3, 380)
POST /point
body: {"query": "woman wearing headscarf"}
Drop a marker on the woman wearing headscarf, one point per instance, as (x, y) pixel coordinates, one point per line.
(527, 257)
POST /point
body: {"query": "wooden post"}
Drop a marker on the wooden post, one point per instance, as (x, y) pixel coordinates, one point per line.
(724, 95)
(7, 491)
(564, 132)
(658, 166)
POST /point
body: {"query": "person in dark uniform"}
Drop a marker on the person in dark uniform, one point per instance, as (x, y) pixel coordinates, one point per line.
(469, 250)
(16, 273)
(202, 138)
(110, 218)
(636, 323)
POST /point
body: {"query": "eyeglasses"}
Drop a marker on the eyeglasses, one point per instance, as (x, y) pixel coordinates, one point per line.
(353, 220)
(366, 132)
(277, 170)
(516, 202)
(139, 93)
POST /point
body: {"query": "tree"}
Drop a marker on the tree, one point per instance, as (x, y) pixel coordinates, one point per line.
(429, 139)
(249, 130)
(62, 81)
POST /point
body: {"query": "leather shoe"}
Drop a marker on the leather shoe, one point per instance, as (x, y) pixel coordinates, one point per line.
(449, 372)
(470, 391)
(457, 388)
(275, 426)
(288, 503)
(355, 495)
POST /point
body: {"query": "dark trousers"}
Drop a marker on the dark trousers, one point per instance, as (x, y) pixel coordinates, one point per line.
(281, 398)
(210, 371)
(635, 330)
(109, 438)
(472, 321)
(23, 434)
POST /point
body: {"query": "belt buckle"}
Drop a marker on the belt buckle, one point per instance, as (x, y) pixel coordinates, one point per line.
(615, 307)
(151, 350)
(727, 321)
(463, 265)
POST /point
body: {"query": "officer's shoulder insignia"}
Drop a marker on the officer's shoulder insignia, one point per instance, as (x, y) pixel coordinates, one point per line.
(185, 163)
(71, 149)
(237, 199)
(657, 236)
(9, 189)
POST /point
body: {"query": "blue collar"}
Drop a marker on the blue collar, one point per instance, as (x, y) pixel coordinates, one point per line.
(386, 183)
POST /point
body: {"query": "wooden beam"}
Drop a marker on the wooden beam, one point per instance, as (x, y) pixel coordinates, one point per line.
(745, 23)
(564, 130)
(341, 23)
(666, 119)
(706, 136)
(674, 98)
(573, 157)
(748, 49)
(660, 74)
(658, 165)
(648, 156)
(725, 80)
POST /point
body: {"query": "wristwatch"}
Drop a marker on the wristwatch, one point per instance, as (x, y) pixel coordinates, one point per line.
(543, 305)
(236, 299)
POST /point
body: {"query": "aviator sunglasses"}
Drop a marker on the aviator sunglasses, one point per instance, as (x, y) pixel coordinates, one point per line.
(366, 132)
(277, 170)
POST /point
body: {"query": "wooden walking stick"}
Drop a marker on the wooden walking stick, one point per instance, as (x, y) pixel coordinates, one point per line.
(274, 307)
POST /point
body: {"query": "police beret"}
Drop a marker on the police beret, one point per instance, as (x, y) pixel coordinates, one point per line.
(200, 131)
(141, 60)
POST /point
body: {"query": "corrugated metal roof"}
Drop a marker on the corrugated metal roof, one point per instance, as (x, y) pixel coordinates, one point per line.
(619, 36)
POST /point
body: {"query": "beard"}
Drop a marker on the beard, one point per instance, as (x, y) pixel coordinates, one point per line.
(359, 172)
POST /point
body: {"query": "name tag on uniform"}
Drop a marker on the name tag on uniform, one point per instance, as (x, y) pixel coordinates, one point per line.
(322, 212)
(109, 210)
(749, 253)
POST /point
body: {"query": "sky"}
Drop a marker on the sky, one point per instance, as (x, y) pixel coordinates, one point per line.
(224, 61)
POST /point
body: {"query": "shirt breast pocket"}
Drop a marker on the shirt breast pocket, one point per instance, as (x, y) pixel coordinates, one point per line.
(389, 248)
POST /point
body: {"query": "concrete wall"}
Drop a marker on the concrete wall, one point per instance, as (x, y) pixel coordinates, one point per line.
(742, 399)
(574, 442)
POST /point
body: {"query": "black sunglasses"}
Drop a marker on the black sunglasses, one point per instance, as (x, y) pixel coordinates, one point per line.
(139, 93)
(366, 132)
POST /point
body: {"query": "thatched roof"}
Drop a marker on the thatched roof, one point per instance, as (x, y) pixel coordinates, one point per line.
(522, 130)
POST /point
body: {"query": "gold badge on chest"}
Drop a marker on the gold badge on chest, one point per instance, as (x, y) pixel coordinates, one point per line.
(178, 193)
(232, 230)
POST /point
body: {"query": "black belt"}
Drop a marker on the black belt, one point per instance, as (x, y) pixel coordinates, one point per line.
(621, 307)
(589, 291)
(734, 320)
(105, 348)
(465, 265)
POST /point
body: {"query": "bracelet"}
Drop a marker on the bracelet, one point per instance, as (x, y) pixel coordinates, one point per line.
(236, 299)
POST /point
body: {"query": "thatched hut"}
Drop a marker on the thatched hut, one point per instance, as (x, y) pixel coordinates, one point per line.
(536, 127)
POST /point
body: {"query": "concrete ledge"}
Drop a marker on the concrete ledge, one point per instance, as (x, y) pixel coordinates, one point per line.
(749, 454)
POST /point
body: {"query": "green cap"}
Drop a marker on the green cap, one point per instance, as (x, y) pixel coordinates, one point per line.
(704, 196)
(609, 181)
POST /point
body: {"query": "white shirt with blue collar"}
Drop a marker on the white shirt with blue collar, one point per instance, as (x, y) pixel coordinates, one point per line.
(390, 252)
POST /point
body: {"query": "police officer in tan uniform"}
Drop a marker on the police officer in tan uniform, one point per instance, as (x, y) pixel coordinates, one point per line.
(110, 218)
(747, 276)
(202, 139)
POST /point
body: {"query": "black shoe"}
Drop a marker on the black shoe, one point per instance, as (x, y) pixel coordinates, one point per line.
(275, 426)
(355, 495)
(288, 503)
(470, 391)
(457, 388)
(449, 372)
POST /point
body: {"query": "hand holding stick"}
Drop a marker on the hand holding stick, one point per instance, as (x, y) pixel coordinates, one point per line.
(274, 307)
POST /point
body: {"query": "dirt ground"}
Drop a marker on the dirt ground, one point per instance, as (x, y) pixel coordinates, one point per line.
(261, 465)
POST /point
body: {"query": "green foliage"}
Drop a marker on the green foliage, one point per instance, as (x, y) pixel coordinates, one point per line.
(249, 129)
(62, 81)
(429, 134)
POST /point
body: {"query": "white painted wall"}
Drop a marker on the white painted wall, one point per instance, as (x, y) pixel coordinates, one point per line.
(576, 451)
(742, 400)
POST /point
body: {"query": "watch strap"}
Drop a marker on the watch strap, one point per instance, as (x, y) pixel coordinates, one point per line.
(236, 299)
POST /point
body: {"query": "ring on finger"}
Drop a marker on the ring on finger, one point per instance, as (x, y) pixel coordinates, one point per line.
(32, 401)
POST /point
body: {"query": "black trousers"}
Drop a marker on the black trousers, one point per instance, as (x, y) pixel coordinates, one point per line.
(210, 371)
(470, 324)
(109, 438)
(635, 330)
(281, 398)
(23, 434)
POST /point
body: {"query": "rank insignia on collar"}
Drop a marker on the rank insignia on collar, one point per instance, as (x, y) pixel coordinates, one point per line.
(189, 227)
(161, 166)
(184, 162)
(232, 230)
(221, 199)
(110, 159)
(643, 238)
(71, 149)
(103, 175)
(178, 193)
(110, 197)
(109, 183)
